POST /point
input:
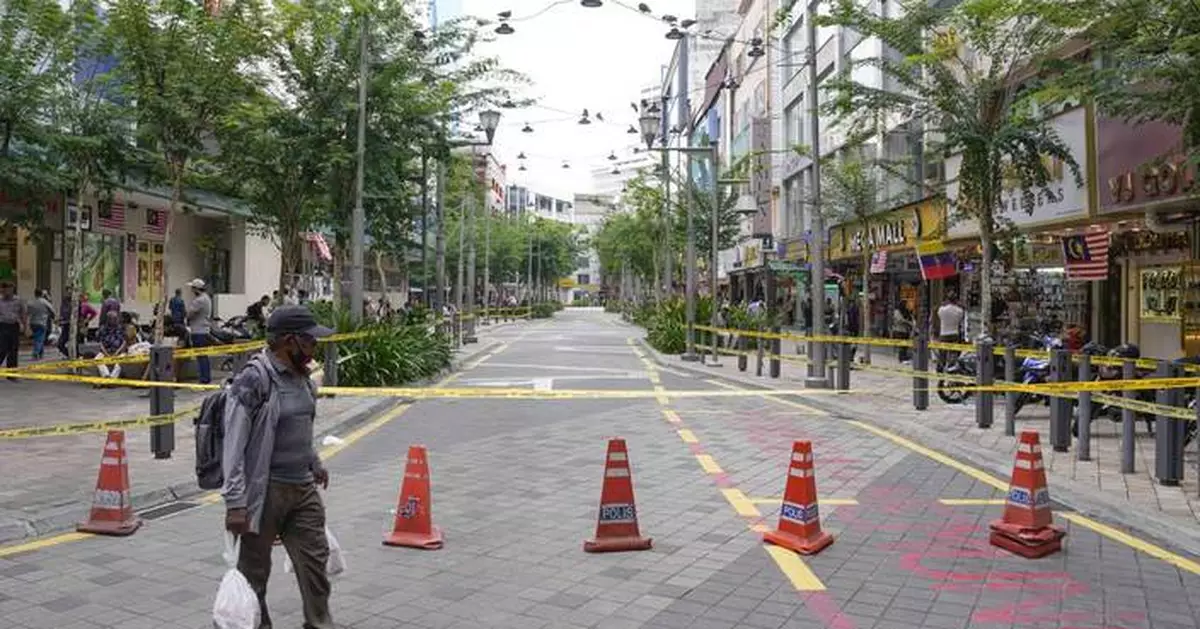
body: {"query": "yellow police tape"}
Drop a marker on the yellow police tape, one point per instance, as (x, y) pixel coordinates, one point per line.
(211, 350)
(59, 430)
(1141, 363)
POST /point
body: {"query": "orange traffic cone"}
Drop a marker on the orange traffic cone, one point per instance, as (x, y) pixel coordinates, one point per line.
(112, 513)
(616, 526)
(799, 518)
(413, 526)
(1027, 527)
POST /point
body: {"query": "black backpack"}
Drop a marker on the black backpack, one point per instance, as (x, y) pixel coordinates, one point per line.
(210, 431)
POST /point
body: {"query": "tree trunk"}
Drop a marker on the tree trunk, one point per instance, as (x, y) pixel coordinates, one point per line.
(383, 284)
(337, 277)
(177, 167)
(865, 316)
(985, 276)
(73, 273)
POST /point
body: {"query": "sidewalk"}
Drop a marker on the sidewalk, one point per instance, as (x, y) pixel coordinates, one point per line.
(1095, 487)
(51, 479)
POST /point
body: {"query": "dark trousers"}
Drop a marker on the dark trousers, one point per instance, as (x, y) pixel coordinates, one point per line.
(10, 343)
(203, 366)
(904, 351)
(296, 515)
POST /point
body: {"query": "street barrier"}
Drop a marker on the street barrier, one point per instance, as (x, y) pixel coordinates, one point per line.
(799, 527)
(112, 512)
(617, 522)
(1027, 527)
(412, 525)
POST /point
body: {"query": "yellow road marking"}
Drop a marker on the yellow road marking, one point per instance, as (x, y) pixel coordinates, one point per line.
(798, 572)
(709, 464)
(977, 474)
(661, 395)
(740, 503)
(39, 544)
(688, 436)
(970, 502)
(1157, 552)
(671, 416)
(365, 430)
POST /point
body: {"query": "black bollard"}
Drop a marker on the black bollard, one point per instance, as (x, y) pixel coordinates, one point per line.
(162, 400)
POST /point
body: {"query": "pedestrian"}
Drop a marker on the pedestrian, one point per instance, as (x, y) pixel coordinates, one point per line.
(951, 320)
(902, 327)
(271, 469)
(14, 320)
(256, 314)
(111, 335)
(199, 320)
(41, 316)
(108, 303)
(178, 308)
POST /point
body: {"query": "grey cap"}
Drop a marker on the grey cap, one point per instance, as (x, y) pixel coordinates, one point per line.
(296, 320)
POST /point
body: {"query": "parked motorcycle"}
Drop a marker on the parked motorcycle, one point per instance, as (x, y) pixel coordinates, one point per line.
(229, 332)
(1111, 373)
(1032, 371)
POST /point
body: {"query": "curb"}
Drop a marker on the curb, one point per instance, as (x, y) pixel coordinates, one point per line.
(65, 519)
(1166, 530)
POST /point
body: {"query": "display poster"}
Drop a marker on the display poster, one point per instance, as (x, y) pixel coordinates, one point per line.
(101, 265)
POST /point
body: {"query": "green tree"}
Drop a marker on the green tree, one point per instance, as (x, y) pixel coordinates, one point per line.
(959, 72)
(279, 146)
(186, 71)
(1154, 46)
(86, 138)
(35, 54)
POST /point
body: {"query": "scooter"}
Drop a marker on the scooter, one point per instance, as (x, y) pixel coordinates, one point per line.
(1112, 373)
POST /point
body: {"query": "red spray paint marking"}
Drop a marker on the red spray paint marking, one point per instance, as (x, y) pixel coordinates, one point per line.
(827, 610)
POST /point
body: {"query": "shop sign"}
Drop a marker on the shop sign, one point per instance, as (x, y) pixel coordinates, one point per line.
(1160, 294)
(900, 228)
(794, 249)
(1146, 241)
(1141, 165)
(1034, 255)
(1062, 200)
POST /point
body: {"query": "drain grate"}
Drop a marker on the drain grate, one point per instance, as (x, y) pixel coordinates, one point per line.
(171, 508)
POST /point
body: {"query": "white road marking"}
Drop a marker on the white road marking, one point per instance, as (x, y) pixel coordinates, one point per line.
(559, 367)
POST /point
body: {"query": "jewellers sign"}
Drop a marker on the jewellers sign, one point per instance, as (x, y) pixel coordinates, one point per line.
(1062, 200)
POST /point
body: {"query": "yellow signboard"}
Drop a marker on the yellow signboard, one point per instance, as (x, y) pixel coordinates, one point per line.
(902, 228)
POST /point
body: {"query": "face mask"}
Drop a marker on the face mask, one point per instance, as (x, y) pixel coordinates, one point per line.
(299, 357)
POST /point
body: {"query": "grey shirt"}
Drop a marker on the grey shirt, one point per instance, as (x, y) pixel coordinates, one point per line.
(12, 310)
(293, 456)
(253, 426)
(199, 314)
(40, 311)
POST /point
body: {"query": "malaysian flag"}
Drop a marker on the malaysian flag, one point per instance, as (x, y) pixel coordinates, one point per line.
(112, 216)
(1086, 255)
(156, 222)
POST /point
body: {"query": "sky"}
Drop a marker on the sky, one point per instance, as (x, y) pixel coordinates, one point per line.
(577, 58)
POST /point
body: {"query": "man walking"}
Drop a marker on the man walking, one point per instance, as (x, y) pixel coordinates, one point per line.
(199, 320)
(271, 468)
(41, 316)
(13, 320)
(950, 320)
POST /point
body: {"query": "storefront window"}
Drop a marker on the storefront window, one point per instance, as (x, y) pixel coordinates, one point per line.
(216, 267)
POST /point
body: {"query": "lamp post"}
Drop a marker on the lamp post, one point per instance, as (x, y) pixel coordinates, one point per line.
(649, 123)
(488, 120)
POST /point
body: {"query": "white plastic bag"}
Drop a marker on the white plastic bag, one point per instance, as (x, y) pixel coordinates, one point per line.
(236, 606)
(337, 561)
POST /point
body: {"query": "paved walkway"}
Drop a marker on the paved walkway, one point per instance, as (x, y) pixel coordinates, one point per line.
(1096, 486)
(515, 486)
(58, 474)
